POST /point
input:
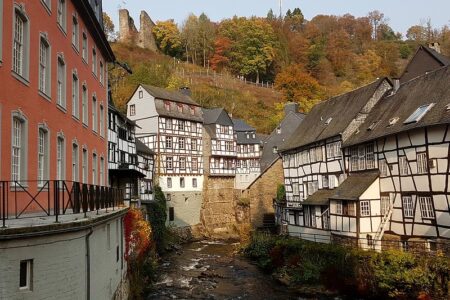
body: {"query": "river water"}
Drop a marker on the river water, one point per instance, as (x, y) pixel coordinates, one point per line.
(213, 270)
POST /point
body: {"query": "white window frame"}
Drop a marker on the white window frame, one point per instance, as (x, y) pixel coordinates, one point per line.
(43, 154)
(102, 171)
(419, 113)
(422, 163)
(61, 15)
(28, 275)
(60, 157)
(84, 165)
(85, 104)
(426, 207)
(94, 61)
(408, 206)
(44, 66)
(75, 161)
(364, 208)
(182, 143)
(21, 43)
(101, 120)
(94, 113)
(85, 47)
(354, 158)
(75, 32)
(382, 164)
(61, 85)
(94, 168)
(19, 147)
(370, 156)
(169, 182)
(194, 182)
(339, 207)
(331, 181)
(182, 163)
(194, 164)
(101, 75)
(169, 163)
(132, 110)
(403, 165)
(169, 142)
(385, 204)
(75, 95)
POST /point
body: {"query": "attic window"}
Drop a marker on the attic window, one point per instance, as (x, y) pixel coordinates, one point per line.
(372, 126)
(180, 108)
(419, 113)
(192, 110)
(167, 105)
(279, 130)
(393, 121)
(328, 121)
(275, 149)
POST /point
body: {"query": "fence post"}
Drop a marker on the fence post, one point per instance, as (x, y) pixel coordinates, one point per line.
(56, 199)
(3, 195)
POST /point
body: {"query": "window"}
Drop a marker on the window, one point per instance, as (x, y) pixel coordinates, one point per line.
(295, 189)
(75, 169)
(44, 66)
(426, 207)
(75, 96)
(182, 182)
(169, 163)
(85, 166)
(21, 43)
(75, 32)
(26, 274)
(94, 113)
(18, 151)
(332, 181)
(193, 144)
(180, 125)
(365, 208)
(169, 124)
(339, 207)
(419, 113)
(169, 182)
(141, 94)
(102, 121)
(194, 163)
(180, 108)
(403, 165)
(194, 128)
(370, 158)
(275, 149)
(60, 158)
(61, 14)
(422, 164)
(61, 83)
(182, 163)
(383, 168)
(112, 152)
(168, 142)
(278, 130)
(349, 208)
(182, 143)
(408, 208)
(325, 182)
(94, 169)
(43, 154)
(171, 213)
(132, 110)
(84, 104)
(319, 154)
(167, 105)
(192, 109)
(101, 75)
(385, 205)
(94, 61)
(229, 147)
(84, 45)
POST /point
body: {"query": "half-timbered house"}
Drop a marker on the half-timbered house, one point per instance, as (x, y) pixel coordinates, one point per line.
(404, 144)
(312, 159)
(219, 144)
(248, 154)
(170, 124)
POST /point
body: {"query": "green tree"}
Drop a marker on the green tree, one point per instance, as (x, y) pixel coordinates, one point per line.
(168, 38)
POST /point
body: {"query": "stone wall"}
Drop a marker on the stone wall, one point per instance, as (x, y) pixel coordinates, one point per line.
(129, 34)
(261, 193)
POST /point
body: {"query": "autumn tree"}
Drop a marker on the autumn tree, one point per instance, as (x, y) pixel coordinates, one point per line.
(168, 38)
(298, 86)
(108, 27)
(220, 59)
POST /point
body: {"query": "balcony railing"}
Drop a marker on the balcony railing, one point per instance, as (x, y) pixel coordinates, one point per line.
(31, 199)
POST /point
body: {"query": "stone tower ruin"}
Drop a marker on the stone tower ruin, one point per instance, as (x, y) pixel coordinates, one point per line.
(129, 34)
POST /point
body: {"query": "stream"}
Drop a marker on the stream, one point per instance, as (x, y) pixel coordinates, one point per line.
(213, 270)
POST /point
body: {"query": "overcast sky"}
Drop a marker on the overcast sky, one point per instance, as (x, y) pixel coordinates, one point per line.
(401, 13)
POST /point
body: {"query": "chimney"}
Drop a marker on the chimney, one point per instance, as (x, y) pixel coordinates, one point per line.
(290, 107)
(186, 91)
(435, 46)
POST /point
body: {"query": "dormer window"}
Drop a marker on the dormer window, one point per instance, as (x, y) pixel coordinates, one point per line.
(279, 130)
(328, 121)
(419, 113)
(167, 105)
(393, 121)
(275, 149)
(192, 110)
(372, 126)
(180, 108)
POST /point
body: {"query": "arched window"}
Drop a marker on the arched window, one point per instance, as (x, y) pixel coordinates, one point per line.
(44, 65)
(19, 147)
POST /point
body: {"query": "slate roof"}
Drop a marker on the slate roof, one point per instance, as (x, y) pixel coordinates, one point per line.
(355, 185)
(216, 116)
(241, 129)
(341, 110)
(319, 198)
(288, 126)
(165, 94)
(444, 60)
(240, 125)
(432, 87)
(142, 148)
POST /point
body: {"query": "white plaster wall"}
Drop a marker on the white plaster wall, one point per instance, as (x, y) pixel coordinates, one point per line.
(145, 108)
(176, 184)
(373, 192)
(187, 208)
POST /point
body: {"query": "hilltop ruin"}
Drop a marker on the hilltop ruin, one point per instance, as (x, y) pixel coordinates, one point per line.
(129, 34)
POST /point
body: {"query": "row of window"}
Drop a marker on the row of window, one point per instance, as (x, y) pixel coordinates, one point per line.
(181, 125)
(362, 157)
(22, 47)
(221, 129)
(242, 149)
(19, 155)
(316, 154)
(183, 143)
(181, 163)
(179, 107)
(421, 160)
(182, 183)
(223, 163)
(243, 163)
(227, 146)
(425, 206)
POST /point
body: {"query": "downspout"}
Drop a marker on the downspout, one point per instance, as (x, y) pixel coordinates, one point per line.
(88, 265)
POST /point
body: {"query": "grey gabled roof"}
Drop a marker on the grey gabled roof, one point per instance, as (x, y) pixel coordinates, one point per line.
(355, 185)
(321, 197)
(240, 125)
(432, 87)
(444, 60)
(142, 148)
(165, 94)
(216, 116)
(288, 126)
(341, 110)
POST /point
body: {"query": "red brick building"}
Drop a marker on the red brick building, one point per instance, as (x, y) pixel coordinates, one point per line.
(53, 92)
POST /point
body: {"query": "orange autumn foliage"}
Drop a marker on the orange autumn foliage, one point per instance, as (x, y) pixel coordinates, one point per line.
(137, 234)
